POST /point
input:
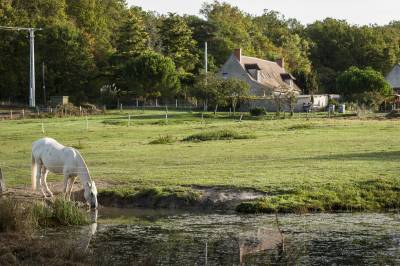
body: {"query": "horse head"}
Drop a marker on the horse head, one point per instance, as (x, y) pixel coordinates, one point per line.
(91, 194)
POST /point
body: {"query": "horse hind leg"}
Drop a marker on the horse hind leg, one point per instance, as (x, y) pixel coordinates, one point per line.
(45, 172)
(38, 175)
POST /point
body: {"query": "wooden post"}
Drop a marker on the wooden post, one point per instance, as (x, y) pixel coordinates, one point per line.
(120, 107)
(43, 128)
(87, 124)
(129, 120)
(241, 116)
(11, 115)
(2, 182)
(137, 103)
(166, 114)
(23, 113)
(176, 103)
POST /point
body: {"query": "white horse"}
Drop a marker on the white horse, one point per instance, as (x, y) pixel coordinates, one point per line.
(49, 155)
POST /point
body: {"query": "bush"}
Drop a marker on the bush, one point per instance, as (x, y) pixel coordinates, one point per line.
(394, 114)
(217, 135)
(257, 112)
(167, 139)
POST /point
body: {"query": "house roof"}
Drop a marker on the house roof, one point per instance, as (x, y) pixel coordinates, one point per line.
(393, 78)
(272, 75)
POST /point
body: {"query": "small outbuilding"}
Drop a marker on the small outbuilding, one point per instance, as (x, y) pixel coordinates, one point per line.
(393, 78)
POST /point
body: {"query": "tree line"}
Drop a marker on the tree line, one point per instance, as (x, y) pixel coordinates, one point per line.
(97, 50)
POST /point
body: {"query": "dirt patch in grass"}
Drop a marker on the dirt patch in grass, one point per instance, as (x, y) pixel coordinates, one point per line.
(218, 135)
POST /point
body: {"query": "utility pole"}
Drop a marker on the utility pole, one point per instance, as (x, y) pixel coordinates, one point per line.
(31, 31)
(206, 70)
(206, 57)
(43, 85)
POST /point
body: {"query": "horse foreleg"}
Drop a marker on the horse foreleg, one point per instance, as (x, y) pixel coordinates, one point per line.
(45, 172)
(71, 185)
(66, 181)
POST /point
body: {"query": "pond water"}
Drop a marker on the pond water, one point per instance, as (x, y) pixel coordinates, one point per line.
(140, 237)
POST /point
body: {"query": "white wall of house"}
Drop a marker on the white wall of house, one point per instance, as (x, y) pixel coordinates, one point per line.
(320, 103)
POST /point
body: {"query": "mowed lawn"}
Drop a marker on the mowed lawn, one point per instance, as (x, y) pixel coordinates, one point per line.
(287, 155)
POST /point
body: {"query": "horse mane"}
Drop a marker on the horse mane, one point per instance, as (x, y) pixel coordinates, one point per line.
(85, 167)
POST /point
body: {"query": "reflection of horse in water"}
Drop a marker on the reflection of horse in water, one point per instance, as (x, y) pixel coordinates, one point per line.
(254, 242)
(85, 239)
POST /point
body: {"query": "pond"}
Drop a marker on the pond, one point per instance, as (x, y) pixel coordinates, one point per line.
(148, 237)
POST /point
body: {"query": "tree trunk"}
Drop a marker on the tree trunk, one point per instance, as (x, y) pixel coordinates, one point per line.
(216, 108)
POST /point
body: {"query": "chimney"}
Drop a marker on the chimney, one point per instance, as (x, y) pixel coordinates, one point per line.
(281, 62)
(238, 53)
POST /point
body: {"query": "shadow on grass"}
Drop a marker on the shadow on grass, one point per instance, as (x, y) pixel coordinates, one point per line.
(367, 156)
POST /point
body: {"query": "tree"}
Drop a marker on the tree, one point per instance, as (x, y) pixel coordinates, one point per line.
(366, 86)
(177, 42)
(132, 38)
(234, 90)
(151, 74)
(291, 100)
(206, 88)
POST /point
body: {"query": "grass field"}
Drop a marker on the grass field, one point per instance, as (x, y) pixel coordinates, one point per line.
(310, 164)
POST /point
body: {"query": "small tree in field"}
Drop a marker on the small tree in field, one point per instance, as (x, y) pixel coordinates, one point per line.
(291, 100)
(234, 89)
(207, 87)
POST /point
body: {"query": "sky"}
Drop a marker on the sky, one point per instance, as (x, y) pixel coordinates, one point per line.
(361, 12)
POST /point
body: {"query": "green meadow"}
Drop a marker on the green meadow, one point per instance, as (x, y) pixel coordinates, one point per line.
(302, 163)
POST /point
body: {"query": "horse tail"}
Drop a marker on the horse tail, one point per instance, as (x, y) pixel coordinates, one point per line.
(34, 172)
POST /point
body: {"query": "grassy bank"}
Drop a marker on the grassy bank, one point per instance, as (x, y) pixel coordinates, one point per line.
(19, 223)
(23, 217)
(301, 163)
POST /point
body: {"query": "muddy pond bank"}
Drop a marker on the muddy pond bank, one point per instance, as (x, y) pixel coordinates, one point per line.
(193, 198)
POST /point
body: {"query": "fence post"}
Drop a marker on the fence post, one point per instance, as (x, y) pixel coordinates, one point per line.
(11, 115)
(137, 103)
(166, 114)
(120, 109)
(87, 123)
(43, 128)
(176, 103)
(129, 120)
(2, 182)
(23, 113)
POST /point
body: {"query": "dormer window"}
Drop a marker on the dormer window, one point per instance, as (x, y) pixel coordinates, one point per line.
(253, 70)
